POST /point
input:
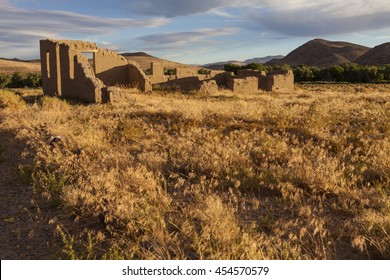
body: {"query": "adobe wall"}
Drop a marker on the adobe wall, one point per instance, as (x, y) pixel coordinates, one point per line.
(243, 84)
(137, 78)
(250, 73)
(188, 79)
(157, 73)
(208, 87)
(50, 65)
(191, 83)
(185, 72)
(111, 68)
(67, 72)
(278, 81)
(222, 78)
(85, 86)
(186, 83)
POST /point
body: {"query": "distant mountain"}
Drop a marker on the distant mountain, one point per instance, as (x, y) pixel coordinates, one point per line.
(379, 55)
(220, 65)
(145, 60)
(136, 54)
(323, 53)
(260, 60)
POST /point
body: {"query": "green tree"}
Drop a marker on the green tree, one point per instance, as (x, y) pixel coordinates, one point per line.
(230, 67)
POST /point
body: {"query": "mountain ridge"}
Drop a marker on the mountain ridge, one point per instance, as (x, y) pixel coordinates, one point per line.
(378, 55)
(259, 60)
(323, 53)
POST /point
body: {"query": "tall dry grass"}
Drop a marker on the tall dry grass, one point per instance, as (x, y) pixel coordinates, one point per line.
(172, 176)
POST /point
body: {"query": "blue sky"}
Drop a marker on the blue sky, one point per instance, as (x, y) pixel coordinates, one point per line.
(192, 31)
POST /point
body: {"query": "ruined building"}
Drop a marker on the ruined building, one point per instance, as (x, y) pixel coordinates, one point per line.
(247, 80)
(67, 72)
(81, 70)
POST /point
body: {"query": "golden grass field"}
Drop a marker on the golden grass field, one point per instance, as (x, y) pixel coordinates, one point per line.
(187, 176)
(10, 66)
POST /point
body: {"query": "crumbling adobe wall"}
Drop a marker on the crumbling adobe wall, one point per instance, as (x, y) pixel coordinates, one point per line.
(185, 72)
(157, 73)
(188, 79)
(222, 78)
(244, 73)
(111, 68)
(208, 87)
(250, 73)
(85, 82)
(191, 83)
(278, 81)
(66, 71)
(186, 83)
(243, 84)
(50, 65)
(137, 77)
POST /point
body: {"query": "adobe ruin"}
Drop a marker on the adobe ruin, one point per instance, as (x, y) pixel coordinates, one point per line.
(68, 72)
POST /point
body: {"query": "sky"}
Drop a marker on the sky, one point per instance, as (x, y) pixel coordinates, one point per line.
(191, 31)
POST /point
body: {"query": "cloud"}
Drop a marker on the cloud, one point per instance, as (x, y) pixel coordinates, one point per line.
(291, 17)
(173, 8)
(23, 28)
(60, 22)
(179, 39)
(318, 20)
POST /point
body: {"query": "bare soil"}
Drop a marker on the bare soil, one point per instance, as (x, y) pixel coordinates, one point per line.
(25, 229)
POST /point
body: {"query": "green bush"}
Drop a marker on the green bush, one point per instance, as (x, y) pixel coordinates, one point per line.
(21, 80)
(5, 80)
(33, 80)
(204, 71)
(170, 72)
(17, 80)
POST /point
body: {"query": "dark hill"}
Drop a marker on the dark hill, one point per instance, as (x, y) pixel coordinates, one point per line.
(136, 54)
(379, 55)
(323, 53)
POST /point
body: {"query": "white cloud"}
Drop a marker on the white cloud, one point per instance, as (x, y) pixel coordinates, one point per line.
(175, 39)
(23, 28)
(319, 19)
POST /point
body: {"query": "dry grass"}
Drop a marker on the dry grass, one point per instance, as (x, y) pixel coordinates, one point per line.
(10, 67)
(170, 176)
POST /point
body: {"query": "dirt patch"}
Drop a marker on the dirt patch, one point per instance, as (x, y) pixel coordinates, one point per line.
(25, 228)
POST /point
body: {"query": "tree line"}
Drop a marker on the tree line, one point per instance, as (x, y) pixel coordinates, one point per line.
(345, 73)
(349, 73)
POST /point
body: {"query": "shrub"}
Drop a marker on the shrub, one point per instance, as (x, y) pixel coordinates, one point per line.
(170, 72)
(204, 71)
(21, 80)
(5, 80)
(33, 80)
(17, 80)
